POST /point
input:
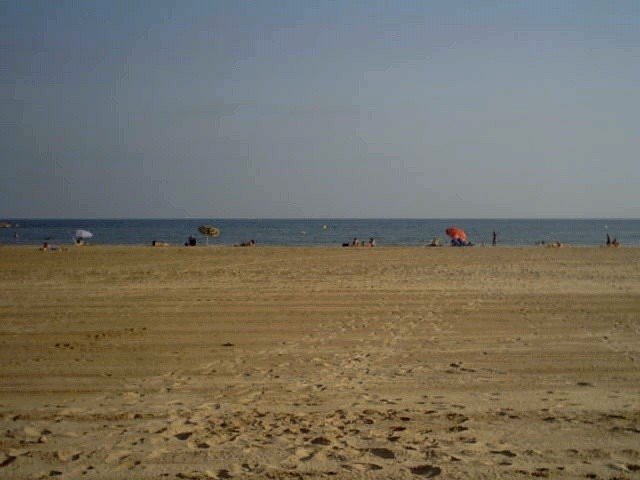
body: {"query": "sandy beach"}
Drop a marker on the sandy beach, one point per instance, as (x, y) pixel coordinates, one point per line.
(301, 363)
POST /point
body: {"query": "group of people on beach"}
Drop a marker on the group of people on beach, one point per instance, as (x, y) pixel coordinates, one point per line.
(435, 242)
(461, 242)
(48, 247)
(612, 243)
(556, 244)
(191, 242)
(357, 243)
(250, 243)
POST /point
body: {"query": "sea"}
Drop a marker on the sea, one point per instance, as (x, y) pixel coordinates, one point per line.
(321, 232)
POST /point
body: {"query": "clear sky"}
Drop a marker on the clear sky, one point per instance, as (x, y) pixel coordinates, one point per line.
(420, 109)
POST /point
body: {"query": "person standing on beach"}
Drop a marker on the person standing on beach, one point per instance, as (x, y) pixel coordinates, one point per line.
(495, 239)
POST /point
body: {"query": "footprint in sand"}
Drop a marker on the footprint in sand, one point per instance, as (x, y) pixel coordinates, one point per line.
(302, 455)
(382, 453)
(362, 466)
(321, 441)
(68, 455)
(117, 456)
(196, 475)
(506, 453)
(428, 471)
(6, 459)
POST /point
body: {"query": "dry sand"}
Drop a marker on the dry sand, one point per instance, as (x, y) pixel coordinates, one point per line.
(127, 363)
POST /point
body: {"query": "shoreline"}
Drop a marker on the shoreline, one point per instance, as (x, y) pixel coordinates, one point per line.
(71, 246)
(328, 233)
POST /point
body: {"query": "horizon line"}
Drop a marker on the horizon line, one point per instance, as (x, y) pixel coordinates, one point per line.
(317, 218)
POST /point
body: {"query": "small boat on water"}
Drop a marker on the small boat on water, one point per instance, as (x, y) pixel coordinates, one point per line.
(5, 225)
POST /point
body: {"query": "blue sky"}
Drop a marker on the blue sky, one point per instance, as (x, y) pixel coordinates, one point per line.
(320, 109)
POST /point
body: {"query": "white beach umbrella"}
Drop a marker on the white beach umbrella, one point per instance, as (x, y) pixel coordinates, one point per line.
(83, 234)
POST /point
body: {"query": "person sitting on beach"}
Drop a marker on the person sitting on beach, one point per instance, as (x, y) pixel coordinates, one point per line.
(459, 242)
(47, 247)
(191, 241)
(615, 242)
(435, 242)
(250, 243)
(354, 243)
(372, 242)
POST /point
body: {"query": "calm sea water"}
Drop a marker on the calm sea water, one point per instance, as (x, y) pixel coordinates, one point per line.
(319, 232)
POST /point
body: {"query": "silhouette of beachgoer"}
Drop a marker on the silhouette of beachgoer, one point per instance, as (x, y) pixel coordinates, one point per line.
(495, 239)
(608, 240)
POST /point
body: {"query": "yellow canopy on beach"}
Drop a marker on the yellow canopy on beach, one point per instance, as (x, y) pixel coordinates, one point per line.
(209, 230)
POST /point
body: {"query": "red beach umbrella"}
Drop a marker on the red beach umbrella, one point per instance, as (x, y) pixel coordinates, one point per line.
(456, 233)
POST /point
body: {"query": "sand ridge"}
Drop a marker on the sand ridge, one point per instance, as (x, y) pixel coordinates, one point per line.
(132, 362)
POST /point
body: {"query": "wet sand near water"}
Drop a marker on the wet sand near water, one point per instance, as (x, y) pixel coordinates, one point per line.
(407, 363)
